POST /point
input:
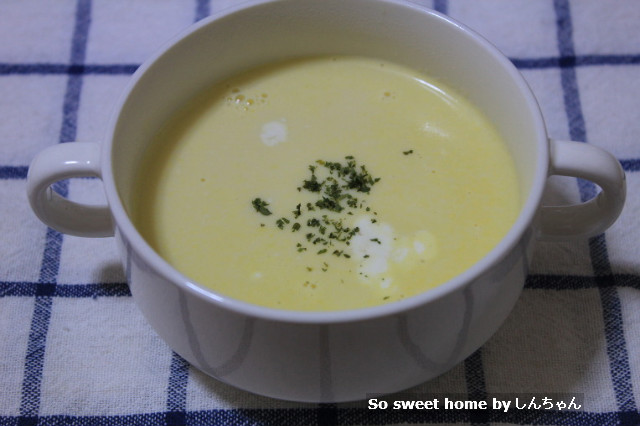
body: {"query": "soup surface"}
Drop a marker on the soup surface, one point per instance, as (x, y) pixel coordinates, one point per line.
(325, 183)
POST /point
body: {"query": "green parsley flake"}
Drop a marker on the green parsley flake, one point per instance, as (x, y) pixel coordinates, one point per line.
(261, 206)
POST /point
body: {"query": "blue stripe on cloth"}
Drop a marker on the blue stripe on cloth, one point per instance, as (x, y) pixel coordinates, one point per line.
(177, 391)
(572, 61)
(363, 416)
(80, 32)
(441, 6)
(51, 258)
(34, 360)
(203, 9)
(611, 309)
(476, 387)
(344, 416)
(13, 172)
(71, 69)
(70, 108)
(580, 282)
(614, 329)
(630, 165)
(31, 289)
(327, 415)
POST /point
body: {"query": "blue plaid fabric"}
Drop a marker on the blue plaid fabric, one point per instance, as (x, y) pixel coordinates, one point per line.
(74, 349)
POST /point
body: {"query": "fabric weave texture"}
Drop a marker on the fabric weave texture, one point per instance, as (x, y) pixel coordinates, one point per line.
(74, 348)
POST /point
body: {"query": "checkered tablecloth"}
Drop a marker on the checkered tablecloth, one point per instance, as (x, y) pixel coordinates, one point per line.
(75, 350)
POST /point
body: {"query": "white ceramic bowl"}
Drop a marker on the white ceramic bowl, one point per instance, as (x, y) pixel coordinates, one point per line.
(343, 355)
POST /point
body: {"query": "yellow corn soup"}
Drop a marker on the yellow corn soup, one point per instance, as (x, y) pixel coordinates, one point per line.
(325, 183)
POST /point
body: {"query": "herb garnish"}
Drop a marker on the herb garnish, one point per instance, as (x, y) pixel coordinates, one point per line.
(339, 188)
(261, 206)
(280, 223)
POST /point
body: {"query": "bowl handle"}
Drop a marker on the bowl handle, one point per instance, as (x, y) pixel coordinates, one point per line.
(581, 160)
(59, 162)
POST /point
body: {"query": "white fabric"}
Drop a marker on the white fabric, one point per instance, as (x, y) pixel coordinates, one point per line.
(73, 345)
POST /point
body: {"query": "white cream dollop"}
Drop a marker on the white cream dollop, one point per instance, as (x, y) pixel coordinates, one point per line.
(274, 132)
(372, 246)
(376, 249)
